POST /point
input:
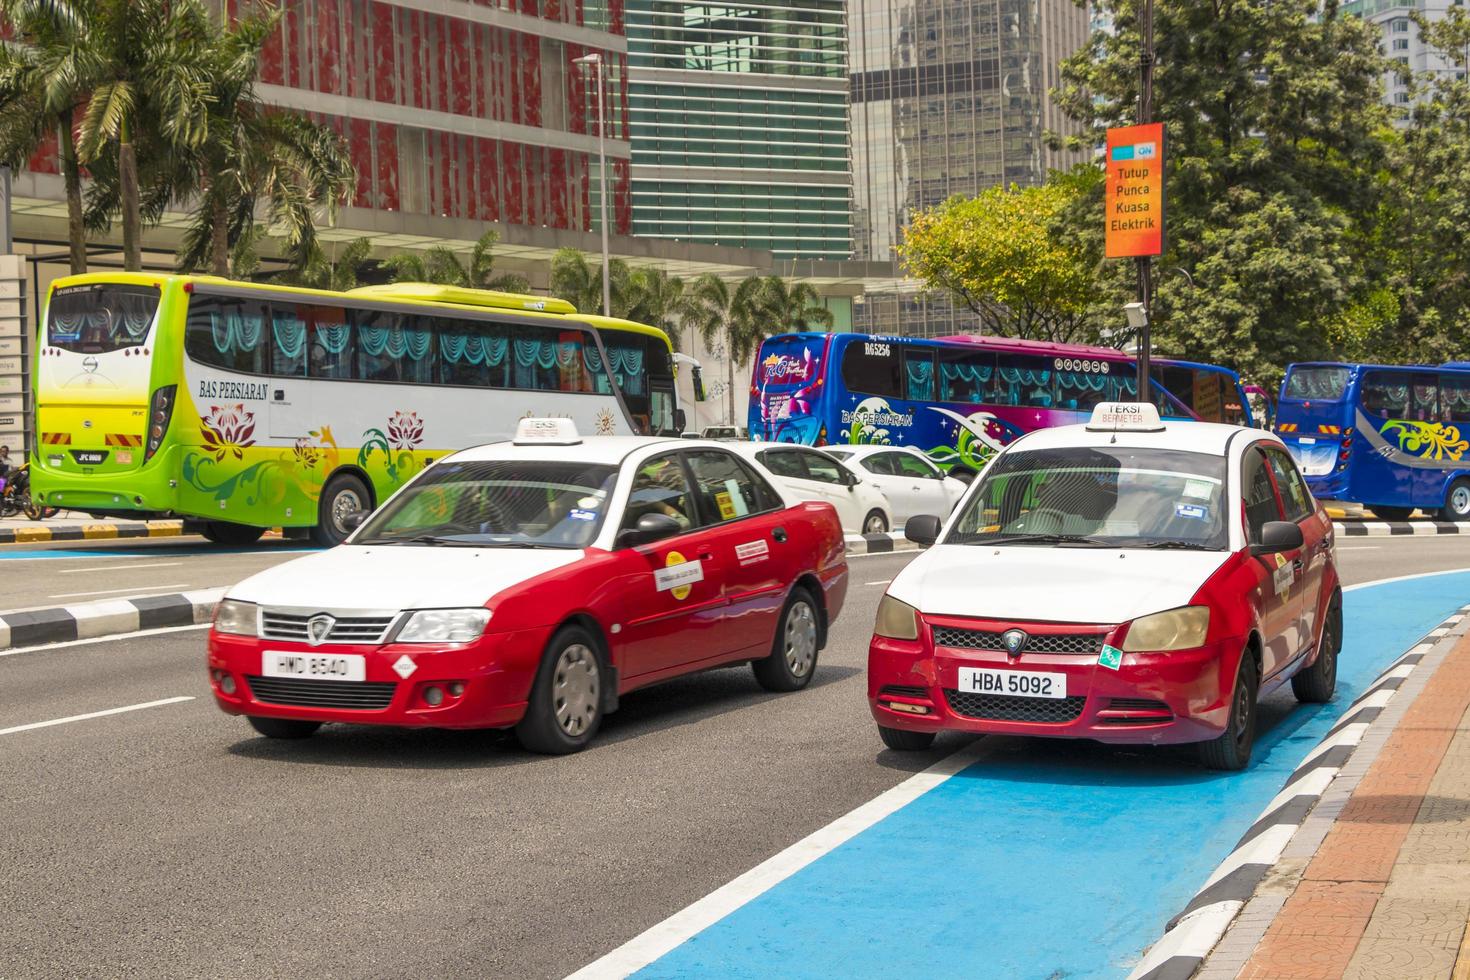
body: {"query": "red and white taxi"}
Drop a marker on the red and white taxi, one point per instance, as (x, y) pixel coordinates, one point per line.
(1125, 581)
(528, 584)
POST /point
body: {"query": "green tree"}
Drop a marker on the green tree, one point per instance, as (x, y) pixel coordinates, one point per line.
(785, 305)
(1003, 255)
(657, 299)
(731, 317)
(339, 271)
(441, 265)
(41, 90)
(1274, 147)
(577, 278)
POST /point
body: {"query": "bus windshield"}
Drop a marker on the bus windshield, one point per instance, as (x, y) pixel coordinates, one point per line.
(1317, 383)
(100, 318)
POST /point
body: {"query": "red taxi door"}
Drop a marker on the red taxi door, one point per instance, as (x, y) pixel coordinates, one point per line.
(1311, 563)
(670, 593)
(1280, 600)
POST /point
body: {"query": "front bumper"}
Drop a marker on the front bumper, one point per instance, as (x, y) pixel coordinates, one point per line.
(1153, 698)
(494, 675)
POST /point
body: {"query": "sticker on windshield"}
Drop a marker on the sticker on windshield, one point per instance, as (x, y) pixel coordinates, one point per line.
(1110, 657)
(679, 576)
(752, 552)
(589, 503)
(1198, 489)
(737, 499)
(1195, 512)
(584, 515)
(727, 506)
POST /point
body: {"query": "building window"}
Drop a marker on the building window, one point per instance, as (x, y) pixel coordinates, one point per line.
(1401, 27)
(1401, 44)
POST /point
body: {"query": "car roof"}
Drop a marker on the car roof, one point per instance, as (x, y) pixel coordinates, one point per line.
(607, 450)
(1210, 438)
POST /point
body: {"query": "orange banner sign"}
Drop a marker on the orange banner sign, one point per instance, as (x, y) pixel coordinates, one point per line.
(1134, 199)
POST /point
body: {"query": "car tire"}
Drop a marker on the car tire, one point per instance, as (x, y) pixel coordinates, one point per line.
(1457, 502)
(876, 522)
(1316, 684)
(231, 534)
(793, 657)
(344, 494)
(1392, 513)
(565, 707)
(290, 728)
(1231, 750)
(901, 741)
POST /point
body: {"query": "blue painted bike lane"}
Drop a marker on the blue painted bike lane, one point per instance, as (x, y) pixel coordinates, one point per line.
(1046, 859)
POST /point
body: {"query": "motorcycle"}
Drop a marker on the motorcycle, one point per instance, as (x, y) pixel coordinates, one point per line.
(15, 496)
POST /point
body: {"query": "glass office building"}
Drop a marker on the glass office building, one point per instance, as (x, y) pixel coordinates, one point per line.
(739, 124)
(949, 97)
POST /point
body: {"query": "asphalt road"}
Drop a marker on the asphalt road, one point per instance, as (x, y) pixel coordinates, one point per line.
(172, 841)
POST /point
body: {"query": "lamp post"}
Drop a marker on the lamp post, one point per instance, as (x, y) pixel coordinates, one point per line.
(1145, 264)
(595, 60)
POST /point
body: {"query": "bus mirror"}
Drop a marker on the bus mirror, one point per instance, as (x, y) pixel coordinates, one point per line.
(697, 378)
(1276, 537)
(679, 420)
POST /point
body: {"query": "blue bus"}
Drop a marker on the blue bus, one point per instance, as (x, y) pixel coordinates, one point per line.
(1393, 438)
(959, 399)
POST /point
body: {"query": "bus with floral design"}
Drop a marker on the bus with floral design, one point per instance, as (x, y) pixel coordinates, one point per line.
(1394, 438)
(242, 406)
(962, 398)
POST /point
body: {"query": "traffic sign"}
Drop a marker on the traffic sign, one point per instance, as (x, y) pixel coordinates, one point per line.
(1134, 195)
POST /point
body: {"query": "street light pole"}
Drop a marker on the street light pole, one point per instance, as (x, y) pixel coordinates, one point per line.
(1145, 264)
(595, 60)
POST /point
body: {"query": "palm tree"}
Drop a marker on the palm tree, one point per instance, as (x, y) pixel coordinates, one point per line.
(441, 265)
(146, 65)
(338, 273)
(731, 317)
(579, 282)
(792, 306)
(659, 300)
(41, 90)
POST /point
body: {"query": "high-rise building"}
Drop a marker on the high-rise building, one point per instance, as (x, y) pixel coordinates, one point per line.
(949, 97)
(1401, 41)
(739, 124)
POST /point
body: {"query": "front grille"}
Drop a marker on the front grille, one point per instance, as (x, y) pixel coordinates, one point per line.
(352, 695)
(1084, 643)
(898, 691)
(275, 625)
(995, 707)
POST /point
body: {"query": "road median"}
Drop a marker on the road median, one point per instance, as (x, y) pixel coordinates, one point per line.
(110, 617)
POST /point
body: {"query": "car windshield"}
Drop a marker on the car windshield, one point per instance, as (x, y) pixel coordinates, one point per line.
(497, 504)
(1105, 496)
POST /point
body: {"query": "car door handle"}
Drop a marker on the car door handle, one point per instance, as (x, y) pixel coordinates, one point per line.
(779, 534)
(706, 556)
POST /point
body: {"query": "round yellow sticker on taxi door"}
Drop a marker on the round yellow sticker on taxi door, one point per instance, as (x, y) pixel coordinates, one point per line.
(678, 575)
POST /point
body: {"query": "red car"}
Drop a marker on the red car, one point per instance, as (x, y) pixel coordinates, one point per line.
(529, 585)
(1124, 581)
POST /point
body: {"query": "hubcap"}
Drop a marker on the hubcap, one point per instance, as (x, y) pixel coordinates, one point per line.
(346, 502)
(875, 524)
(1460, 500)
(574, 688)
(801, 639)
(1242, 711)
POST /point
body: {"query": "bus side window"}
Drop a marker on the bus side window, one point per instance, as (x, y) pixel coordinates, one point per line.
(872, 368)
(918, 365)
(1026, 380)
(1454, 398)
(1426, 398)
(330, 345)
(227, 332)
(1386, 395)
(963, 375)
(288, 342)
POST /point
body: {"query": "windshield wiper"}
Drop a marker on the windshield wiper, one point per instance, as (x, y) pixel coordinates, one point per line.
(1074, 539)
(1180, 545)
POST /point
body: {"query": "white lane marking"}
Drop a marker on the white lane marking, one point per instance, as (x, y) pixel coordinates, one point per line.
(880, 582)
(92, 714)
(906, 553)
(111, 568)
(102, 639)
(132, 588)
(1358, 547)
(1403, 578)
(642, 950)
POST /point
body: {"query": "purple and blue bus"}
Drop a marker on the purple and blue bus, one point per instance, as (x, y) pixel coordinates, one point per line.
(1395, 438)
(961, 398)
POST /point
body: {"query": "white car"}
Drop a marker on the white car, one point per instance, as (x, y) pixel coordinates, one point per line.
(811, 474)
(912, 484)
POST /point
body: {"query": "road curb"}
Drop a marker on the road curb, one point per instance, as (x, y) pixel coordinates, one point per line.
(1386, 529)
(90, 532)
(878, 544)
(1193, 933)
(38, 627)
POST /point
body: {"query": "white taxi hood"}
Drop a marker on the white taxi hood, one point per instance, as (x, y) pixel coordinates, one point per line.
(1064, 585)
(399, 576)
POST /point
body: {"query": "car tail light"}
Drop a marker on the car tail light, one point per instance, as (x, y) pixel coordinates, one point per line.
(160, 412)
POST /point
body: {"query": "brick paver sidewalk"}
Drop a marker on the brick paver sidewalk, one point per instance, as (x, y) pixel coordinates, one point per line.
(1388, 892)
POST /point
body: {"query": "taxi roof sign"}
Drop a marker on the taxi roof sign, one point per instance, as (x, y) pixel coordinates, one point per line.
(547, 432)
(1125, 417)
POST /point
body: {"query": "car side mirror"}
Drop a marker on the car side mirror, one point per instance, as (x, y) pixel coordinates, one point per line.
(650, 528)
(922, 530)
(354, 520)
(1276, 537)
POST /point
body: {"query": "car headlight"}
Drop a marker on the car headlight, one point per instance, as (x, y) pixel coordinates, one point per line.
(234, 616)
(896, 620)
(443, 626)
(1174, 629)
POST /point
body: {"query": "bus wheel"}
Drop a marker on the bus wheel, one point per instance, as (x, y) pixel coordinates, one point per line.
(1457, 502)
(344, 494)
(226, 533)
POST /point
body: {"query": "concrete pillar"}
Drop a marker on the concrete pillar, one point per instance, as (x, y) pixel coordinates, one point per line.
(17, 409)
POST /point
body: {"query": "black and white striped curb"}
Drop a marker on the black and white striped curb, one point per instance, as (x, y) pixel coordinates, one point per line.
(1191, 934)
(1393, 529)
(38, 627)
(878, 544)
